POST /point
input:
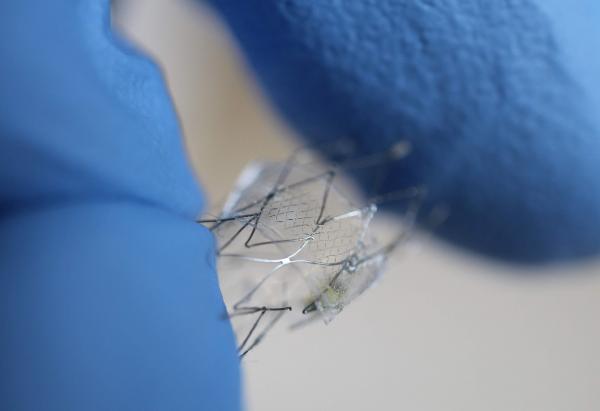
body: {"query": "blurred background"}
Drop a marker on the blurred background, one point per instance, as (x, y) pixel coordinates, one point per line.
(443, 331)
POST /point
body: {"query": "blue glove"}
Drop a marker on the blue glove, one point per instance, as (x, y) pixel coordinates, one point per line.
(500, 100)
(109, 298)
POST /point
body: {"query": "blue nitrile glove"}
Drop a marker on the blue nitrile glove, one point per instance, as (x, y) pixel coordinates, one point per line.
(109, 298)
(500, 99)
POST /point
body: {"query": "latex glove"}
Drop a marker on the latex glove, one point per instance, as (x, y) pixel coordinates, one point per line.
(500, 100)
(109, 298)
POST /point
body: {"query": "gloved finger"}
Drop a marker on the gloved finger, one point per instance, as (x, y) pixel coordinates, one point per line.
(112, 306)
(89, 115)
(109, 292)
(501, 102)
